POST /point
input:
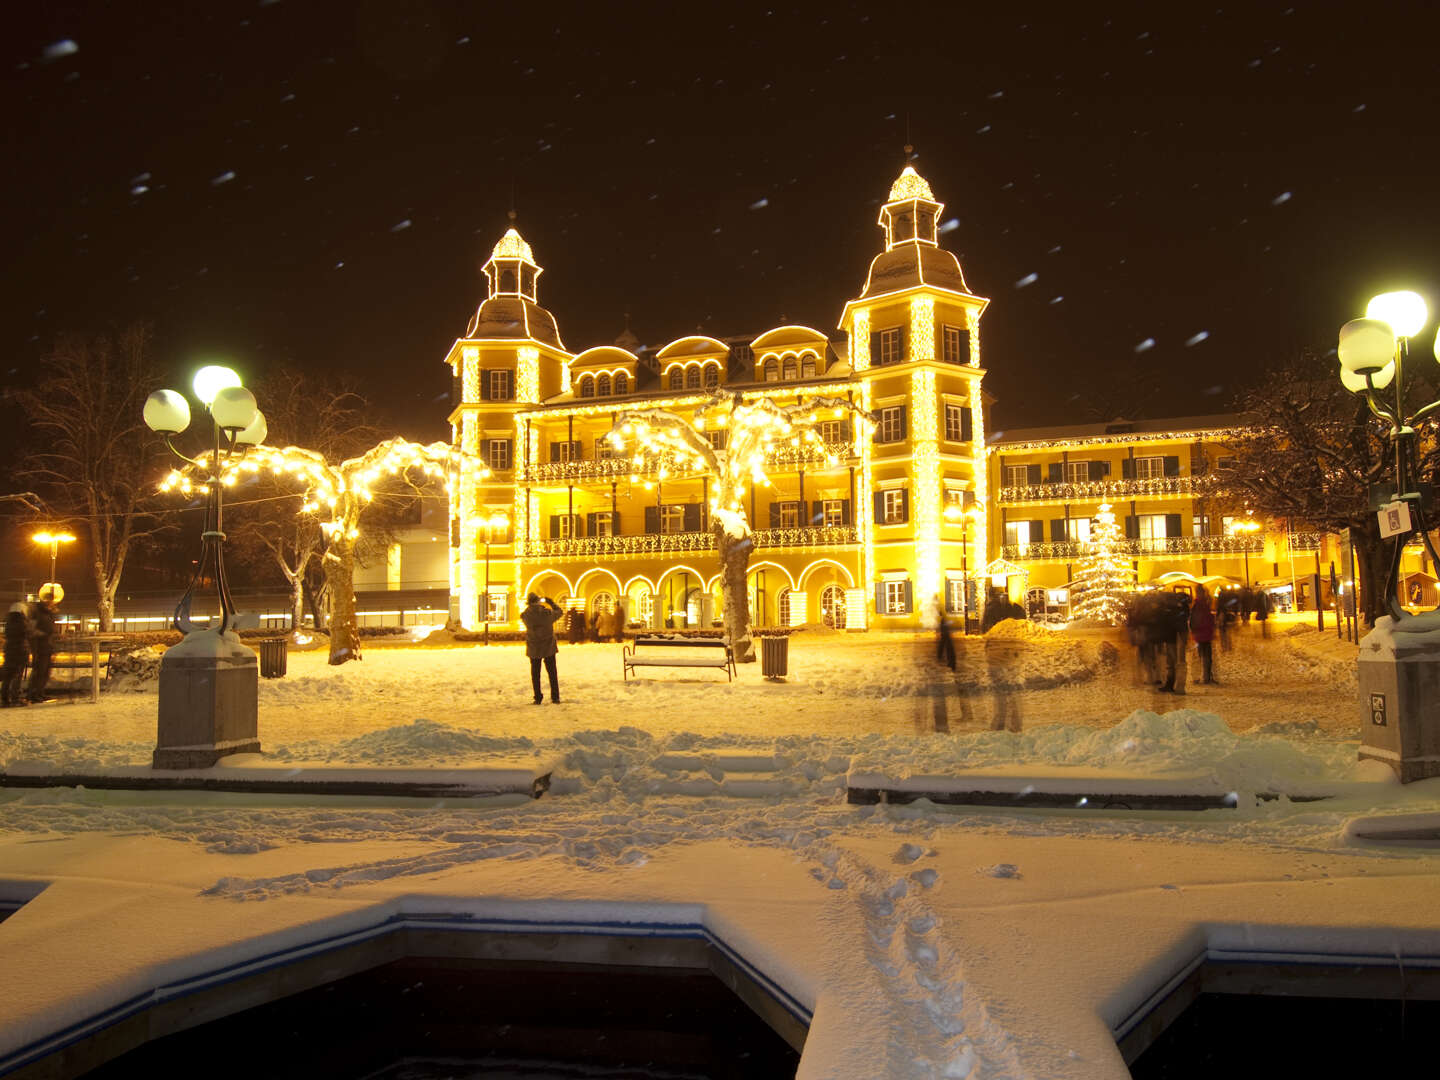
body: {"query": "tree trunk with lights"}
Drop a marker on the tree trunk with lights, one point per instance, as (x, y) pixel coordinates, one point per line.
(734, 591)
(339, 563)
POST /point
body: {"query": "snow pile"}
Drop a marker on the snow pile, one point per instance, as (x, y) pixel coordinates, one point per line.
(133, 669)
(418, 742)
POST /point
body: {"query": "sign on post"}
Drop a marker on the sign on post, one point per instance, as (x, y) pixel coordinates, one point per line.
(1394, 518)
(1377, 710)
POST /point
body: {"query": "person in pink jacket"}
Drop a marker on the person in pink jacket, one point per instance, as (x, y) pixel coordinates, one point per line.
(1202, 629)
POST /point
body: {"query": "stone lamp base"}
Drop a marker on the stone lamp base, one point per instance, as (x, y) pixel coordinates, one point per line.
(1399, 675)
(209, 701)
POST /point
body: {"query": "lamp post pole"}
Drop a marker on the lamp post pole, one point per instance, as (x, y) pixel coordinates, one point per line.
(1399, 676)
(500, 522)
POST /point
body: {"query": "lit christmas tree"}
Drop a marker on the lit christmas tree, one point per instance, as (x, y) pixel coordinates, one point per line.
(1097, 592)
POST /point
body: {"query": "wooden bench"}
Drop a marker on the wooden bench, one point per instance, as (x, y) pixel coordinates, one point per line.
(81, 653)
(712, 653)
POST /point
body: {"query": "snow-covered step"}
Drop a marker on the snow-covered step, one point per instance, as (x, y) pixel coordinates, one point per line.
(722, 760)
(256, 774)
(1070, 789)
(739, 785)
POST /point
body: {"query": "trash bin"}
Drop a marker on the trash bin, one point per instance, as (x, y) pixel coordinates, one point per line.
(272, 658)
(774, 657)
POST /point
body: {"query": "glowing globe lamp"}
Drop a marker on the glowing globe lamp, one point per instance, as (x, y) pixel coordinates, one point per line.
(255, 434)
(233, 408)
(211, 379)
(167, 412)
(1404, 311)
(1366, 345)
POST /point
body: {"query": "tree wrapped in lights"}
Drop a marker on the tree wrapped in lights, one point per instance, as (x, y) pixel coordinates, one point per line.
(677, 446)
(338, 495)
(1098, 590)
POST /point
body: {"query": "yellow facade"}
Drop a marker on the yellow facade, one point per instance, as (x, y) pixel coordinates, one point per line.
(854, 536)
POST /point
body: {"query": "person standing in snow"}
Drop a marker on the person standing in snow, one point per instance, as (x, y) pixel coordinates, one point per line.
(17, 655)
(1262, 612)
(945, 643)
(42, 639)
(1175, 631)
(540, 645)
(1202, 629)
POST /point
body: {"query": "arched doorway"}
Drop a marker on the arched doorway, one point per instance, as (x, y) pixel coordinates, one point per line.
(782, 607)
(602, 603)
(832, 607)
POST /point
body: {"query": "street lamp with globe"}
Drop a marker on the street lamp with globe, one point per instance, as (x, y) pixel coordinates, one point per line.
(1399, 664)
(54, 540)
(209, 682)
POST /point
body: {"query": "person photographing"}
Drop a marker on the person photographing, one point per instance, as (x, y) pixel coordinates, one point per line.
(540, 617)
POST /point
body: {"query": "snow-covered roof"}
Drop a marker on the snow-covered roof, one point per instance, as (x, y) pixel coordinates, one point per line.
(514, 317)
(512, 246)
(693, 345)
(781, 336)
(605, 356)
(1120, 431)
(908, 265)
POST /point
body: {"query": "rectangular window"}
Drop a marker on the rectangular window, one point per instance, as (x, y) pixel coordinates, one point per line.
(567, 451)
(953, 496)
(1017, 534)
(499, 454)
(895, 598)
(569, 526)
(604, 524)
(955, 423)
(1149, 468)
(1152, 526)
(499, 606)
(1016, 475)
(716, 438)
(1079, 529)
(894, 506)
(892, 424)
(1077, 472)
(499, 385)
(672, 518)
(832, 431)
(834, 513)
(957, 345)
(604, 448)
(890, 345)
(955, 595)
(790, 515)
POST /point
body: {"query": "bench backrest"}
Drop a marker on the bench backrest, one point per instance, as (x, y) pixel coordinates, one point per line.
(685, 643)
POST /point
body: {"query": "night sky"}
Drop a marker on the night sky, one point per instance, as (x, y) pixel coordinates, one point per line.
(1166, 201)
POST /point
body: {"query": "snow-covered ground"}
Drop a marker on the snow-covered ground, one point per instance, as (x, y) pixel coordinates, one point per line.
(928, 940)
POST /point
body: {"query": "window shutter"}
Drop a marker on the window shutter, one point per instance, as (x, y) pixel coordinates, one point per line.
(904, 417)
(904, 343)
(576, 453)
(1054, 472)
(967, 426)
(1058, 530)
(1172, 468)
(1132, 527)
(904, 504)
(1127, 469)
(652, 519)
(614, 523)
(964, 357)
(1032, 474)
(484, 386)
(774, 515)
(554, 526)
(457, 389)
(590, 524)
(1037, 532)
(1098, 469)
(846, 516)
(575, 525)
(554, 451)
(967, 498)
(510, 453)
(847, 430)
(879, 508)
(879, 598)
(909, 597)
(1172, 524)
(817, 512)
(875, 349)
(692, 517)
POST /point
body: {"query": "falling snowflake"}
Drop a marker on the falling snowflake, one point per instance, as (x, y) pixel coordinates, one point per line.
(982, 129)
(139, 189)
(56, 49)
(1146, 345)
(400, 226)
(1057, 299)
(1283, 197)
(224, 178)
(759, 204)
(1028, 279)
(949, 226)
(1195, 339)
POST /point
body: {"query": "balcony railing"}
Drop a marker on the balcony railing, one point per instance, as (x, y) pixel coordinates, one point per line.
(805, 457)
(662, 543)
(624, 464)
(1158, 547)
(1098, 490)
(1304, 541)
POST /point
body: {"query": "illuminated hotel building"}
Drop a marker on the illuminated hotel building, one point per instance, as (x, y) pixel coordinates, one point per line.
(854, 535)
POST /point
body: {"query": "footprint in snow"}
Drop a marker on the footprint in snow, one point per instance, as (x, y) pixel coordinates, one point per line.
(908, 853)
(925, 878)
(1001, 870)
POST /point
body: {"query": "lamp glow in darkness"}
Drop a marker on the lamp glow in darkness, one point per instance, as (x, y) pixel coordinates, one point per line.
(1403, 310)
(211, 379)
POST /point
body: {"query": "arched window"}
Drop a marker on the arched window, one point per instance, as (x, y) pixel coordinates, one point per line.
(587, 386)
(692, 377)
(677, 378)
(712, 376)
(772, 370)
(602, 603)
(832, 606)
(782, 603)
(792, 369)
(602, 385)
(622, 383)
(807, 367)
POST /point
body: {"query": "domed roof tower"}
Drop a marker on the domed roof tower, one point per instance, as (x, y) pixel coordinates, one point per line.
(511, 307)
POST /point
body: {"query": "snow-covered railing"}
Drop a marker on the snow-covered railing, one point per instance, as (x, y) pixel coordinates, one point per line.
(1305, 541)
(604, 469)
(794, 457)
(654, 543)
(1107, 490)
(1160, 546)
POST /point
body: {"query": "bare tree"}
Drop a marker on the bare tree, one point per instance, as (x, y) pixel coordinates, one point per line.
(1312, 453)
(93, 461)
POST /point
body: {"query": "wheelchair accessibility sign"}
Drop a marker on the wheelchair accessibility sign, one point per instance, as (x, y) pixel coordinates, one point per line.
(1377, 709)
